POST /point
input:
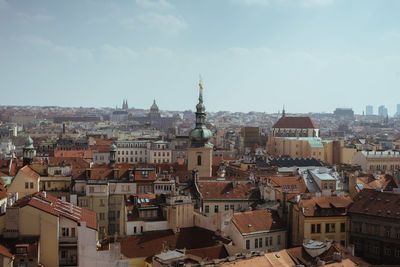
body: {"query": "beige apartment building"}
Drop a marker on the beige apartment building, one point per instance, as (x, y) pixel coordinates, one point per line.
(377, 160)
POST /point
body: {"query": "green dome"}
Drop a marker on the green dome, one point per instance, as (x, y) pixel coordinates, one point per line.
(28, 142)
(113, 148)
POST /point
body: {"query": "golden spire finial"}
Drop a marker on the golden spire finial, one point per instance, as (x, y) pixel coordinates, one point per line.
(200, 82)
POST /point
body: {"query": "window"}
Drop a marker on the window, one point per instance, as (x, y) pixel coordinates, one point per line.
(145, 174)
(73, 232)
(101, 216)
(376, 250)
(387, 251)
(279, 239)
(134, 230)
(247, 244)
(270, 241)
(387, 232)
(84, 202)
(397, 252)
(312, 228)
(226, 207)
(260, 242)
(91, 189)
(49, 184)
(256, 243)
(198, 160)
(65, 231)
(232, 207)
(31, 185)
(207, 209)
(329, 228)
(342, 227)
(26, 185)
(102, 204)
(319, 228)
(266, 241)
(216, 208)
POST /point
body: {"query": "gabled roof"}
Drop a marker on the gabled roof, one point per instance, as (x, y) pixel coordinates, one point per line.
(59, 208)
(257, 221)
(228, 190)
(28, 171)
(296, 122)
(376, 203)
(325, 206)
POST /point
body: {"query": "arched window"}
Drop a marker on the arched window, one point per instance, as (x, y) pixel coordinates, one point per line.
(198, 160)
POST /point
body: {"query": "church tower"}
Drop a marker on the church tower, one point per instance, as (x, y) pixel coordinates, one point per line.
(200, 150)
(29, 151)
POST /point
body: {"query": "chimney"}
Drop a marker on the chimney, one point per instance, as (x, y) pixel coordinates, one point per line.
(44, 194)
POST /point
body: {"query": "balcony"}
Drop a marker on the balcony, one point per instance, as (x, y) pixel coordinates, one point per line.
(67, 241)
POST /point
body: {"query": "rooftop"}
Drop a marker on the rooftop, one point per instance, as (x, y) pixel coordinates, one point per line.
(296, 122)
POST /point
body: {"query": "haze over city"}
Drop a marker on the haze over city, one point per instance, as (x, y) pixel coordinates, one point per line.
(254, 55)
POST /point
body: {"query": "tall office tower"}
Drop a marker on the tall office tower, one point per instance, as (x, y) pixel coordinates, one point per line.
(369, 110)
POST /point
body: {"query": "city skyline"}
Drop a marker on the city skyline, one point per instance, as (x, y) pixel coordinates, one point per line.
(292, 53)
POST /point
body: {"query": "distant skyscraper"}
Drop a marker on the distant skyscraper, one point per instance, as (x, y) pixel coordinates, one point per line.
(369, 110)
(397, 111)
(382, 111)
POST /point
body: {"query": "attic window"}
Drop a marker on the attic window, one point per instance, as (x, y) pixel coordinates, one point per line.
(207, 193)
(398, 213)
(228, 193)
(388, 212)
(378, 199)
(366, 209)
(249, 225)
(273, 222)
(387, 200)
(371, 198)
(379, 211)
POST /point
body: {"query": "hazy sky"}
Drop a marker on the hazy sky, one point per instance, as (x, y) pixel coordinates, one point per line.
(254, 55)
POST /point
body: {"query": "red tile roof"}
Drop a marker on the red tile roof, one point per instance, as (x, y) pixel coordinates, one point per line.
(74, 162)
(151, 243)
(325, 206)
(228, 190)
(5, 252)
(380, 181)
(376, 203)
(256, 221)
(3, 192)
(28, 171)
(296, 122)
(86, 154)
(56, 207)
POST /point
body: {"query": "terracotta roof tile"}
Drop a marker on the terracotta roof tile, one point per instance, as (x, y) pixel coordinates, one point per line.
(56, 207)
(376, 203)
(5, 252)
(228, 190)
(296, 122)
(151, 243)
(256, 221)
(325, 206)
(28, 171)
